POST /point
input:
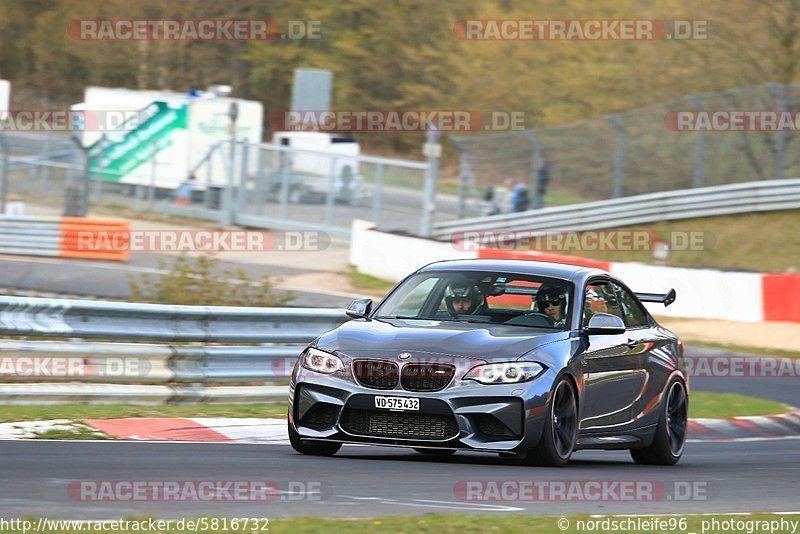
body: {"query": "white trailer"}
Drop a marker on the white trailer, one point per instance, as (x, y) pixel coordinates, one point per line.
(318, 163)
(163, 143)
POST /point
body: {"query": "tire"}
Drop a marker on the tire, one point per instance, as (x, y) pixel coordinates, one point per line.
(442, 453)
(560, 429)
(670, 438)
(315, 448)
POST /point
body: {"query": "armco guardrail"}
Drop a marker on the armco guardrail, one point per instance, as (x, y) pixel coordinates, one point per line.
(669, 205)
(48, 371)
(94, 319)
(61, 236)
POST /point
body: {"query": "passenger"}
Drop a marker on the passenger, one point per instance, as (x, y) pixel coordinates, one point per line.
(552, 301)
(596, 301)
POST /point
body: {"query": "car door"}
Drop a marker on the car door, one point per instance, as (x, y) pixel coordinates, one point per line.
(645, 349)
(613, 365)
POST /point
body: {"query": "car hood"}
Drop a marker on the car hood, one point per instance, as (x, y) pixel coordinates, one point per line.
(387, 338)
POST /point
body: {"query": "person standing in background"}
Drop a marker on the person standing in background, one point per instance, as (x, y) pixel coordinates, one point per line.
(183, 195)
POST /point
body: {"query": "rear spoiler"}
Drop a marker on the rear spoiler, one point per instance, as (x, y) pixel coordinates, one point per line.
(666, 299)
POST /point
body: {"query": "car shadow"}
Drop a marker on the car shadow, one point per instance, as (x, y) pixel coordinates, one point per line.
(467, 458)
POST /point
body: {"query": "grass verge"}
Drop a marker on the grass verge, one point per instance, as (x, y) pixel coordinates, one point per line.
(11, 413)
(718, 243)
(367, 283)
(445, 524)
(724, 405)
(703, 404)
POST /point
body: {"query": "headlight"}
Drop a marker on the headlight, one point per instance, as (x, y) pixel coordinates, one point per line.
(321, 362)
(504, 373)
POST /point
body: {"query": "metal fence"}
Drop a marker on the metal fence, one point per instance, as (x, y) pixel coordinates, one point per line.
(259, 185)
(640, 209)
(265, 185)
(79, 370)
(635, 152)
(262, 185)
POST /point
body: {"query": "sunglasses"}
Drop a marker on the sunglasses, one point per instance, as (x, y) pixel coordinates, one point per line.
(553, 300)
(548, 302)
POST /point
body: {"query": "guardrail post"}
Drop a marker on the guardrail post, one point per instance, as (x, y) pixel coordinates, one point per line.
(619, 158)
(777, 90)
(433, 151)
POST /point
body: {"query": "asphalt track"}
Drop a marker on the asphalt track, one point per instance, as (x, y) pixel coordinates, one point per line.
(86, 278)
(372, 481)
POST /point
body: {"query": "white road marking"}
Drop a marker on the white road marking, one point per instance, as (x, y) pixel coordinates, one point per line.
(481, 506)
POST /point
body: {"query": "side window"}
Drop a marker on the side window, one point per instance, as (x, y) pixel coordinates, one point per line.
(600, 296)
(633, 313)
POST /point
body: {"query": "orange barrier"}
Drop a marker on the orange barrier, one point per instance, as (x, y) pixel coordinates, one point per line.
(535, 255)
(517, 301)
(90, 239)
(781, 297)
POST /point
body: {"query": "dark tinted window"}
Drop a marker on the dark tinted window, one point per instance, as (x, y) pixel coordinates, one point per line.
(633, 313)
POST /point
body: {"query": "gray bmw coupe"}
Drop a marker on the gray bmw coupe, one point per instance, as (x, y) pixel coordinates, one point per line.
(526, 359)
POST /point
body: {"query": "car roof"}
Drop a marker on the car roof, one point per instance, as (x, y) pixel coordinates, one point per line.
(541, 268)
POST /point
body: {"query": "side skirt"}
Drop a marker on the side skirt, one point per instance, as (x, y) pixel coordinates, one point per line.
(631, 439)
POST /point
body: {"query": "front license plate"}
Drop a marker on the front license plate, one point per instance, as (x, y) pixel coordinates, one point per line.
(397, 403)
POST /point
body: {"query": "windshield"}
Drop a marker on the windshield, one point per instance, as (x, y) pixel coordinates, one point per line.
(481, 297)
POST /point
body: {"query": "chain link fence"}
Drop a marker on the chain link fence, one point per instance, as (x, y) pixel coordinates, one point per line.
(634, 152)
(258, 185)
(266, 184)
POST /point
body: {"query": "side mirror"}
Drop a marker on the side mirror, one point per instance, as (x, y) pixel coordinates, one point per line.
(604, 324)
(359, 308)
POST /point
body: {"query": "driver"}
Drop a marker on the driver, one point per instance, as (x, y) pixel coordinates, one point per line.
(552, 301)
(462, 297)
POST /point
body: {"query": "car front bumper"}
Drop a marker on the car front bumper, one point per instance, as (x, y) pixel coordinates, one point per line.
(465, 415)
